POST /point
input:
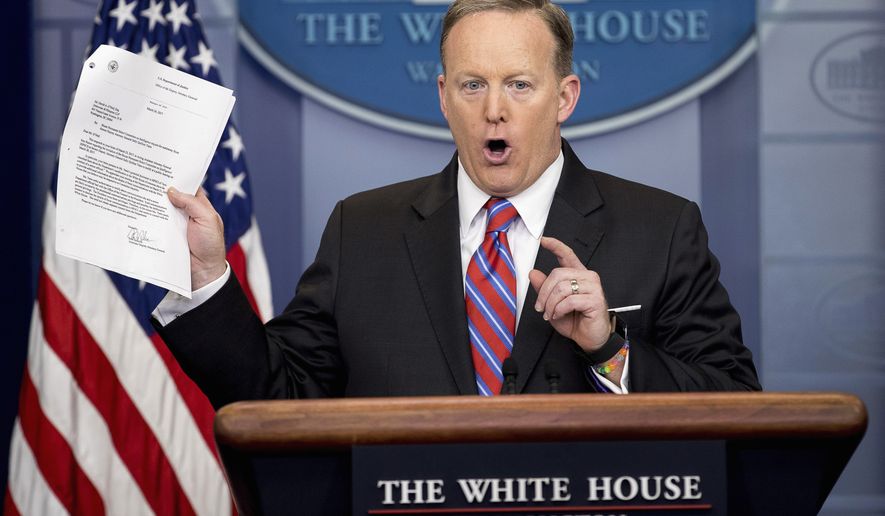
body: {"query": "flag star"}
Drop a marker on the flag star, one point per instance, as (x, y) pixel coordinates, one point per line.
(97, 19)
(232, 186)
(153, 15)
(177, 15)
(123, 13)
(233, 142)
(148, 51)
(176, 59)
(205, 58)
(141, 284)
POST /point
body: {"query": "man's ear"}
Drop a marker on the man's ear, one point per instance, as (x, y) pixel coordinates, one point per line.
(569, 92)
(441, 87)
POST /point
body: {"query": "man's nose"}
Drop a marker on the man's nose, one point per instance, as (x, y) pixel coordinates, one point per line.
(496, 110)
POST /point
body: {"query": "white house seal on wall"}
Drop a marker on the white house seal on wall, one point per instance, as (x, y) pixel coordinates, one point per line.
(377, 60)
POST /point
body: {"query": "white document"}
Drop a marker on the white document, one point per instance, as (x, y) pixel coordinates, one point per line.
(136, 128)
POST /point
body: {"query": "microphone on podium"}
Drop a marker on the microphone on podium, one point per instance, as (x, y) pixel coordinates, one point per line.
(551, 373)
(509, 369)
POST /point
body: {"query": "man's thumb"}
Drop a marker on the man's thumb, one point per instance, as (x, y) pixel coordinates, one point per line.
(178, 199)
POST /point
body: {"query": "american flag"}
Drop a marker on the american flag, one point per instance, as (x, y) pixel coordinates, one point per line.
(108, 422)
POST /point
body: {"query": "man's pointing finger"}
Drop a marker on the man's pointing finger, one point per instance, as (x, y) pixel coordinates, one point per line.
(564, 254)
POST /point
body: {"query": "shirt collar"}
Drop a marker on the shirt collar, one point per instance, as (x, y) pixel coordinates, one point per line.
(533, 203)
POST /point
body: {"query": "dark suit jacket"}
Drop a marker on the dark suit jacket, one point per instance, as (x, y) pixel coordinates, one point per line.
(381, 310)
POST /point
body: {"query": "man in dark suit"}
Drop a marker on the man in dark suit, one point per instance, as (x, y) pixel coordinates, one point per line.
(413, 292)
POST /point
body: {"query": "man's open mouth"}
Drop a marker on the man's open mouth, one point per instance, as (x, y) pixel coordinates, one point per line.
(497, 146)
(496, 151)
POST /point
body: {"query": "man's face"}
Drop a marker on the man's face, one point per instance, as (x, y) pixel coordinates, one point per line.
(503, 98)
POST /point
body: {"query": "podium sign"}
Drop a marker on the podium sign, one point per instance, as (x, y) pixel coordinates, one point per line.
(656, 477)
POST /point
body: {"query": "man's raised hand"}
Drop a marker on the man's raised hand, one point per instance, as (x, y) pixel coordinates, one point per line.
(571, 298)
(205, 236)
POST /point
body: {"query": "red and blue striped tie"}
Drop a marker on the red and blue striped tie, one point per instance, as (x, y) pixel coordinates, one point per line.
(490, 296)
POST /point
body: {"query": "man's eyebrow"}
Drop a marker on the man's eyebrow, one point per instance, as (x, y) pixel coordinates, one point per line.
(525, 73)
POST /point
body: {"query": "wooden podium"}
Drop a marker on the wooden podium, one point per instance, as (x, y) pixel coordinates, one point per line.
(784, 452)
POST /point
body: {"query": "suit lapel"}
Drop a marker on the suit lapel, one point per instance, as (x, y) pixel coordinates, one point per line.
(576, 219)
(434, 244)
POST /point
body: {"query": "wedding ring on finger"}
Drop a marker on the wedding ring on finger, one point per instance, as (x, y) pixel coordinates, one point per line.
(574, 284)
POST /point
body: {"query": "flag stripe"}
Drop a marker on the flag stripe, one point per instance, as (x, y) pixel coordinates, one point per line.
(256, 267)
(133, 439)
(197, 402)
(28, 490)
(9, 508)
(141, 373)
(75, 418)
(54, 456)
(237, 260)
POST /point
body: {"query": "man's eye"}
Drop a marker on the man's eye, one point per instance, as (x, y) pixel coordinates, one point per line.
(472, 85)
(521, 85)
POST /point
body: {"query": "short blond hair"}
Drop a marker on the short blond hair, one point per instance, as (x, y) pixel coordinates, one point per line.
(552, 15)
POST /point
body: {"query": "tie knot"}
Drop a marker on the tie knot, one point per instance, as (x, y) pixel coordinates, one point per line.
(501, 214)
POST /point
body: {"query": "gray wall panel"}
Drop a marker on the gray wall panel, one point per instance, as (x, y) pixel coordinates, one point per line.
(663, 152)
(342, 156)
(823, 199)
(64, 9)
(794, 58)
(823, 316)
(822, 218)
(820, 6)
